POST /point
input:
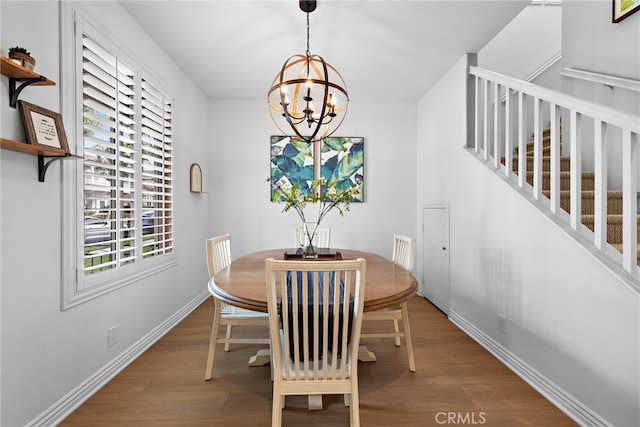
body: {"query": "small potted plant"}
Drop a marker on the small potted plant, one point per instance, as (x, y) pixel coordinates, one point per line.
(21, 56)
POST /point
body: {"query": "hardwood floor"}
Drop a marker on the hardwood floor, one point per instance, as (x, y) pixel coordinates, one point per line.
(456, 382)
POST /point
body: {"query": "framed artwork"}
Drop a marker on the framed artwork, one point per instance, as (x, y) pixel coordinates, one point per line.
(339, 160)
(43, 127)
(292, 162)
(623, 8)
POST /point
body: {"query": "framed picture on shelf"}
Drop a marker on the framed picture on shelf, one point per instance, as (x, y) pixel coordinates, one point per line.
(43, 127)
(623, 8)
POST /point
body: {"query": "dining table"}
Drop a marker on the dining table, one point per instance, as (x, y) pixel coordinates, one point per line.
(242, 284)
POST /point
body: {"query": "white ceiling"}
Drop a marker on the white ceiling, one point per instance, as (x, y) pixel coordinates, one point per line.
(389, 50)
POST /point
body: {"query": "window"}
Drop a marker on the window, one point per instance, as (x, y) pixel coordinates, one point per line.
(124, 186)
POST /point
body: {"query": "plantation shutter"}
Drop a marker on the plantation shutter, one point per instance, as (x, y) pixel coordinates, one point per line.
(109, 160)
(157, 171)
(124, 186)
(128, 167)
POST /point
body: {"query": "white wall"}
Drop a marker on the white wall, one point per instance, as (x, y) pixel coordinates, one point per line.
(528, 42)
(240, 194)
(606, 47)
(567, 317)
(47, 352)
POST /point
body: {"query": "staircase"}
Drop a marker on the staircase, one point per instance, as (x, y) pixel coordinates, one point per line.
(505, 110)
(614, 197)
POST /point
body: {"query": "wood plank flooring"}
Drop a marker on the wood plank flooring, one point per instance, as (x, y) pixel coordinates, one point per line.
(456, 382)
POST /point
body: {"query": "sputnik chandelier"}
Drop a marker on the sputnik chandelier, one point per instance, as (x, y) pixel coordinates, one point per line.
(303, 80)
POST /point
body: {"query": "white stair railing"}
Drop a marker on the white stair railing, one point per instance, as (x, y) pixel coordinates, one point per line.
(507, 110)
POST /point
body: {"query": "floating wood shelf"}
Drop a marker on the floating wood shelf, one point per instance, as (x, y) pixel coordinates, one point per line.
(23, 147)
(18, 73)
(43, 153)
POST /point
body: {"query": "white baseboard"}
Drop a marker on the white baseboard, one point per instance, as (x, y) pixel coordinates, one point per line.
(556, 395)
(57, 412)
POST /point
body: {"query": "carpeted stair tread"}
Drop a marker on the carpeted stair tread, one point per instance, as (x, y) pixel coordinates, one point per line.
(546, 146)
(590, 194)
(614, 201)
(587, 198)
(565, 163)
(611, 219)
(588, 180)
(618, 247)
(614, 226)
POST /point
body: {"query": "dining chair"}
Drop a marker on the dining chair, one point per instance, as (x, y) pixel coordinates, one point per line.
(403, 256)
(218, 258)
(322, 237)
(315, 316)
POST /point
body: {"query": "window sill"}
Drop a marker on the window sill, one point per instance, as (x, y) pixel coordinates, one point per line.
(72, 298)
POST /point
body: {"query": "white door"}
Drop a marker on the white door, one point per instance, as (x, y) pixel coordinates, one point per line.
(435, 256)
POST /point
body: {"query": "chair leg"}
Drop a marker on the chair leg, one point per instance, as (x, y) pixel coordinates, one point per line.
(226, 345)
(276, 411)
(407, 335)
(397, 331)
(354, 409)
(213, 340)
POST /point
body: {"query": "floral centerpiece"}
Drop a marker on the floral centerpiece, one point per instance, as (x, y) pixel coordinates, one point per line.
(326, 196)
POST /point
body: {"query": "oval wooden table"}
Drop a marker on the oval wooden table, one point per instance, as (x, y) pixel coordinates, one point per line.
(242, 284)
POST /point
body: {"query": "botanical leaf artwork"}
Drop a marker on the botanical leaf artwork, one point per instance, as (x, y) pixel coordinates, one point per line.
(341, 164)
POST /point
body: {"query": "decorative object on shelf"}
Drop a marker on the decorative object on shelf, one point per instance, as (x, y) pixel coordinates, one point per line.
(308, 78)
(324, 195)
(19, 74)
(19, 78)
(22, 56)
(43, 127)
(623, 8)
(195, 179)
(338, 160)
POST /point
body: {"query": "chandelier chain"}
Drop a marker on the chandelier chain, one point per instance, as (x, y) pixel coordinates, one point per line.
(308, 51)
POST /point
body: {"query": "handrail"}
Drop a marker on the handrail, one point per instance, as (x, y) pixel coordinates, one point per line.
(604, 79)
(613, 116)
(502, 123)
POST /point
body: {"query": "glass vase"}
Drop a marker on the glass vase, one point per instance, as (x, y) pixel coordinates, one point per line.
(307, 240)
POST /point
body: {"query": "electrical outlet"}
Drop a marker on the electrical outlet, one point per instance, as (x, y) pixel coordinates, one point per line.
(502, 323)
(112, 336)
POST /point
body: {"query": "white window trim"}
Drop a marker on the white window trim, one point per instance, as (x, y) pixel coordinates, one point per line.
(72, 293)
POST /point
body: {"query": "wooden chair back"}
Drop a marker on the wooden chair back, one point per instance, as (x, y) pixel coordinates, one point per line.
(315, 317)
(322, 237)
(218, 253)
(404, 249)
